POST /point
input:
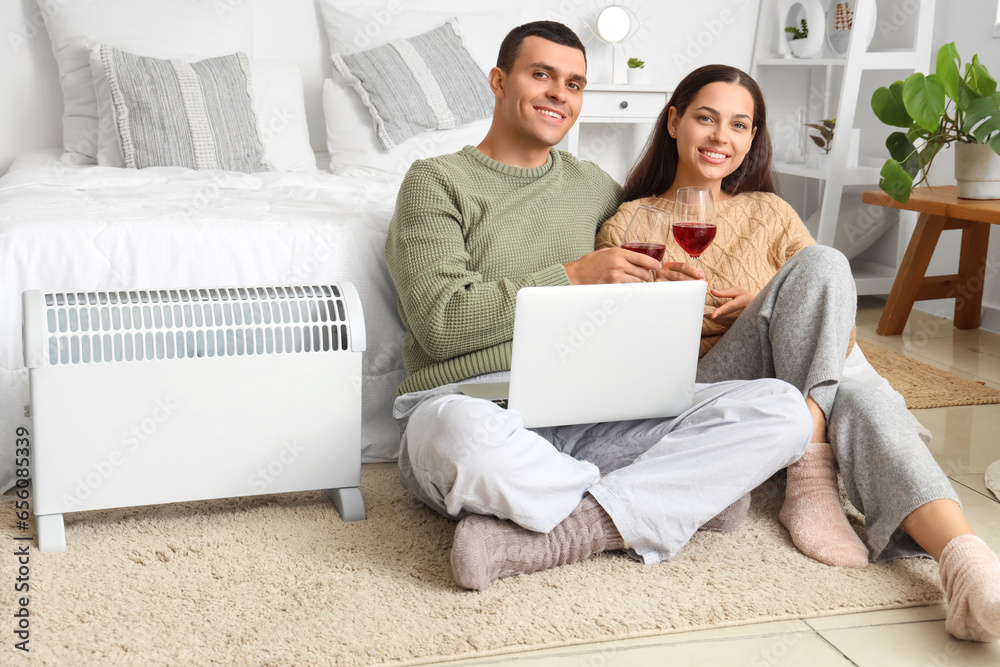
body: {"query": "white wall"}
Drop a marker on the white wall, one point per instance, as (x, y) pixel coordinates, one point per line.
(671, 43)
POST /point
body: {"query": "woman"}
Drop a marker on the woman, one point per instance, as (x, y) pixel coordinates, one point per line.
(781, 306)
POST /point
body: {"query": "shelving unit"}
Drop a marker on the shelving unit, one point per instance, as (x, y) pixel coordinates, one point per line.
(835, 88)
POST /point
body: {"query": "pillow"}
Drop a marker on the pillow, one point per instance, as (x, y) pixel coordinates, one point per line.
(175, 113)
(180, 28)
(354, 148)
(427, 82)
(358, 25)
(278, 103)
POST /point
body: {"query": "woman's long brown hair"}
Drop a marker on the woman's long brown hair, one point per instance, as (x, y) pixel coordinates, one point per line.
(654, 171)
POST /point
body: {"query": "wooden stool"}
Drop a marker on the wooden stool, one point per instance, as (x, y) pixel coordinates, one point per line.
(939, 209)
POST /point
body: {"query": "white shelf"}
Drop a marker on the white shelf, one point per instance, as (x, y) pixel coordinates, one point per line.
(871, 278)
(801, 62)
(877, 60)
(851, 175)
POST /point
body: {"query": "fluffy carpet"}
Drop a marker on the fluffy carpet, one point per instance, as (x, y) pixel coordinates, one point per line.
(282, 580)
(924, 386)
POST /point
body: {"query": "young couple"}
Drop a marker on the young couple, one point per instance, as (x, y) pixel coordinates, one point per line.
(473, 227)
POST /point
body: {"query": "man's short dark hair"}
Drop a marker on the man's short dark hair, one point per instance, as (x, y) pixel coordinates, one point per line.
(550, 30)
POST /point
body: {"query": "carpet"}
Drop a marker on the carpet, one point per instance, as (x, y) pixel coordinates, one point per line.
(924, 386)
(282, 580)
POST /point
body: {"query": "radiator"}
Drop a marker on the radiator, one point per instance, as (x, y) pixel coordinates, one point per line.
(158, 396)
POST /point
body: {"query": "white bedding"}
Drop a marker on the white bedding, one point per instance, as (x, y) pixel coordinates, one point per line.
(76, 228)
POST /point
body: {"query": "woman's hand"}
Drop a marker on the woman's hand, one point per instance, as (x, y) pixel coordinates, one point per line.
(679, 271)
(727, 313)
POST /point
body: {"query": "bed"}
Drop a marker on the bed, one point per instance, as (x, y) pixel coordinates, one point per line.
(120, 207)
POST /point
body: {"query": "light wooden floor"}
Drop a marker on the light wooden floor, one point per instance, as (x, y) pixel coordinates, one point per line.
(966, 440)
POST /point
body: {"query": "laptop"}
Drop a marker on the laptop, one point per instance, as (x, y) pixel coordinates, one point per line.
(599, 353)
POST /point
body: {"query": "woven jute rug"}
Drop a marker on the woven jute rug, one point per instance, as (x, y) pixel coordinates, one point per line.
(282, 580)
(924, 386)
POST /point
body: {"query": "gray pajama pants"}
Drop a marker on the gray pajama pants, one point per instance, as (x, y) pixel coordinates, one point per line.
(797, 330)
(658, 479)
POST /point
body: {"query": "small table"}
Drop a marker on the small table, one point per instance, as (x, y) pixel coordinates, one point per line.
(939, 209)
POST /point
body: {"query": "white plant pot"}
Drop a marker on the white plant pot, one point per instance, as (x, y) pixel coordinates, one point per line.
(797, 47)
(636, 75)
(977, 171)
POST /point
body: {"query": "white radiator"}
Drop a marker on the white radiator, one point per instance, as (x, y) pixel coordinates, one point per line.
(159, 396)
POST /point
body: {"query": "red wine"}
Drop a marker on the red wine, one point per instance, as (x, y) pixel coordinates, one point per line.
(654, 250)
(694, 237)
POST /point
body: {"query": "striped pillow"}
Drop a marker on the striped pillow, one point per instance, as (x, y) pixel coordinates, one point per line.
(427, 82)
(174, 113)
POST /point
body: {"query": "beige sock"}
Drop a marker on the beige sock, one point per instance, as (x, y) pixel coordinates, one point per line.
(970, 575)
(730, 518)
(813, 515)
(486, 548)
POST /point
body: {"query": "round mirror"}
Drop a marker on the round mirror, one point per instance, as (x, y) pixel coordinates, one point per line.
(613, 24)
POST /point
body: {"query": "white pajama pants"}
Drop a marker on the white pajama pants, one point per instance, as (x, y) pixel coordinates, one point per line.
(658, 479)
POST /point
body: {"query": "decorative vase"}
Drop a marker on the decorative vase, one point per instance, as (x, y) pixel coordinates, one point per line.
(977, 171)
(636, 75)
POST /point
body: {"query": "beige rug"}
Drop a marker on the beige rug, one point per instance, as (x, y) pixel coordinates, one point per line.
(924, 386)
(282, 580)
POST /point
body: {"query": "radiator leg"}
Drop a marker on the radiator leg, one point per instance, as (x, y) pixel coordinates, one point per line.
(348, 502)
(51, 532)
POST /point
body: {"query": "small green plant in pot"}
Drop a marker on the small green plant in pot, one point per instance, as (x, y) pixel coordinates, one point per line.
(935, 111)
(635, 70)
(799, 34)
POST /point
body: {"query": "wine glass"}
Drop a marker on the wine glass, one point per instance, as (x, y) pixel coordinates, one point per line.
(647, 232)
(694, 221)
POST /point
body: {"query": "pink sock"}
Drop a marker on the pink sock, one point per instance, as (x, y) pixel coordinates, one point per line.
(486, 548)
(813, 515)
(730, 518)
(970, 575)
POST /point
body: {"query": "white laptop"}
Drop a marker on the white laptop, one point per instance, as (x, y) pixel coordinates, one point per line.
(599, 353)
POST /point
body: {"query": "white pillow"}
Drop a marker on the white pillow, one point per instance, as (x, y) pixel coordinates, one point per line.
(179, 28)
(358, 25)
(278, 101)
(355, 148)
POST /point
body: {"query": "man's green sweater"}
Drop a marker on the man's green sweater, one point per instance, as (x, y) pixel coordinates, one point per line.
(467, 234)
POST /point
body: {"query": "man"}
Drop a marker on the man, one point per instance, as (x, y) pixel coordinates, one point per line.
(472, 228)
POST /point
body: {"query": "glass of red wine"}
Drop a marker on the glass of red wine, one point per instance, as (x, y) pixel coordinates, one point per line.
(647, 232)
(694, 221)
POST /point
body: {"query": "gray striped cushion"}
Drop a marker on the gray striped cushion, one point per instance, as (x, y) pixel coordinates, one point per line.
(427, 82)
(174, 113)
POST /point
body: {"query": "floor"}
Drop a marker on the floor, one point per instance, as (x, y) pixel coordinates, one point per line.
(966, 440)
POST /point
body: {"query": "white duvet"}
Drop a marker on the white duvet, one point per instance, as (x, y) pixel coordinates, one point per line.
(66, 228)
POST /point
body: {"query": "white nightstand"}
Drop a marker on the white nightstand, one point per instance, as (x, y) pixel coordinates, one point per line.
(619, 103)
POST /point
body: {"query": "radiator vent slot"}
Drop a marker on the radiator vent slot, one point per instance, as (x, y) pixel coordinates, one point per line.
(99, 327)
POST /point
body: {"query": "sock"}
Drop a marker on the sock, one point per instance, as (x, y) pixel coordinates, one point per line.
(487, 548)
(813, 515)
(970, 575)
(730, 518)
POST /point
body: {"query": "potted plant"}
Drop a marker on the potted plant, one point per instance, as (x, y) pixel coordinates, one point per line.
(635, 70)
(799, 33)
(936, 111)
(825, 138)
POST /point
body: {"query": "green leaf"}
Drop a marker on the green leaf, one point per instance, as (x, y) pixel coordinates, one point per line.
(979, 78)
(887, 103)
(924, 99)
(948, 63)
(895, 181)
(903, 151)
(984, 113)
